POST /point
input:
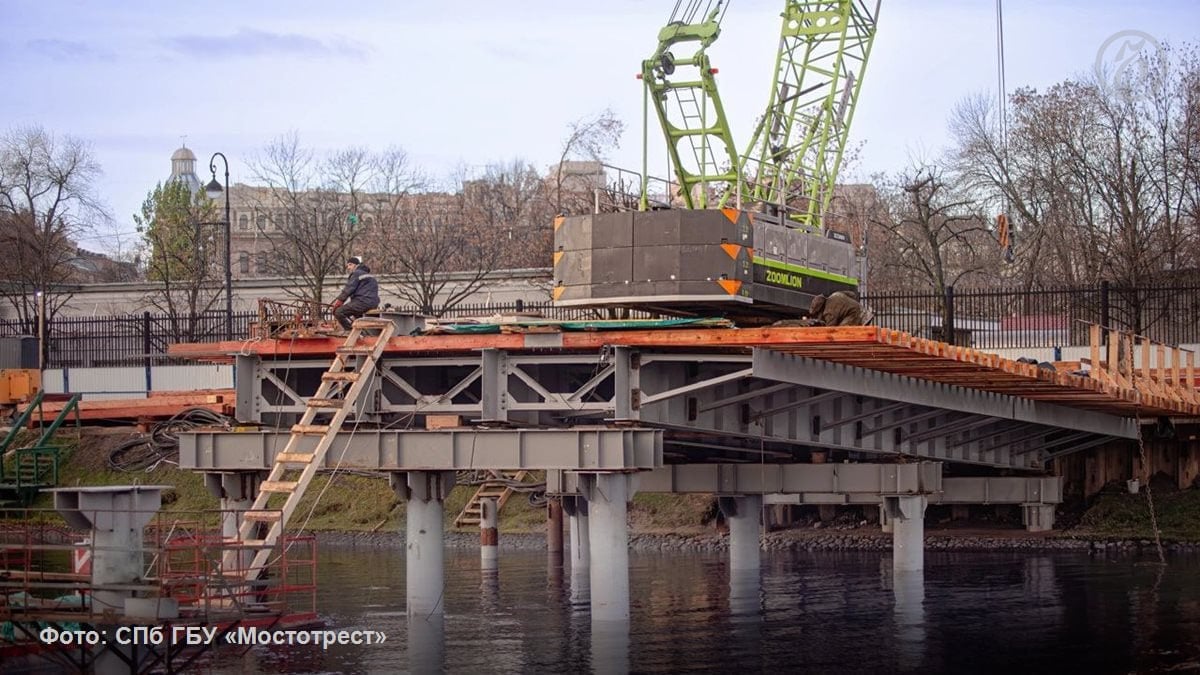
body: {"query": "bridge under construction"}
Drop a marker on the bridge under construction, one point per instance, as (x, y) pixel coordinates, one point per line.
(810, 415)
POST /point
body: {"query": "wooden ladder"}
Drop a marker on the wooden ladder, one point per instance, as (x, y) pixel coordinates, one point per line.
(473, 511)
(339, 390)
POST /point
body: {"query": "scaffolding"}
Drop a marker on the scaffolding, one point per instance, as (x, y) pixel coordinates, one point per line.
(47, 581)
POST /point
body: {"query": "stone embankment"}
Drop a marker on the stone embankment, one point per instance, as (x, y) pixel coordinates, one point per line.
(858, 539)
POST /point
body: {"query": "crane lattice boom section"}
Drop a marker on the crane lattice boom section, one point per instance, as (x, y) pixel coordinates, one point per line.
(793, 158)
(683, 91)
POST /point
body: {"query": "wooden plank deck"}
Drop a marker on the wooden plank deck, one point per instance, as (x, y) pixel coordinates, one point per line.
(868, 347)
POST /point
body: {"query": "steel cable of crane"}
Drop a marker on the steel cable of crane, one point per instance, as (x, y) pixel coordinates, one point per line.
(146, 452)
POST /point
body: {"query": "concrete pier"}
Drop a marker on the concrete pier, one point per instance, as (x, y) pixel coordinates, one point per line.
(424, 492)
(907, 513)
(744, 515)
(116, 516)
(235, 492)
(489, 538)
(608, 495)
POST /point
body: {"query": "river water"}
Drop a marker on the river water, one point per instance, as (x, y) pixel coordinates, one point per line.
(812, 612)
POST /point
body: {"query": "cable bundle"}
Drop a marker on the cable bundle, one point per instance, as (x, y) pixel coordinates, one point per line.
(162, 444)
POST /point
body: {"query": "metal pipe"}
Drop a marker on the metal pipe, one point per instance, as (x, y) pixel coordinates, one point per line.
(212, 166)
(489, 537)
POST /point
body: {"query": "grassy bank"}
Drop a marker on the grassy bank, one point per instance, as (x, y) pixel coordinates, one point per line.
(355, 502)
(345, 501)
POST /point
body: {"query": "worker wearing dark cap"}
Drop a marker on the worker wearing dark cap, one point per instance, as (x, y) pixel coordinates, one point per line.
(360, 295)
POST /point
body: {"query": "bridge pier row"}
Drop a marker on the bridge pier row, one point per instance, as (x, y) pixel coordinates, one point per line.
(907, 513)
(608, 495)
(743, 514)
(424, 493)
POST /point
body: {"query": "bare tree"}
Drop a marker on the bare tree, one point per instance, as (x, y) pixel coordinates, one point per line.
(309, 211)
(182, 262)
(925, 237)
(1100, 179)
(443, 246)
(46, 204)
(588, 138)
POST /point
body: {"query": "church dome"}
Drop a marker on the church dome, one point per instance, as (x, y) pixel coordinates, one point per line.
(183, 168)
(183, 154)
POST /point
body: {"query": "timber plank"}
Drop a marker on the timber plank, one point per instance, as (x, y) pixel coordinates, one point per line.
(1117, 391)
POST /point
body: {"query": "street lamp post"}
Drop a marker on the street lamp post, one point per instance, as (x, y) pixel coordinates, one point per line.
(214, 190)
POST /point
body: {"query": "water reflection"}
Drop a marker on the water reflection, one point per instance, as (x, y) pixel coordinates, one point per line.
(908, 593)
(610, 647)
(745, 594)
(812, 612)
(426, 644)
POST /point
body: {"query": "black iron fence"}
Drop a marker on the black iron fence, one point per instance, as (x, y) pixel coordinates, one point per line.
(982, 318)
(124, 340)
(999, 319)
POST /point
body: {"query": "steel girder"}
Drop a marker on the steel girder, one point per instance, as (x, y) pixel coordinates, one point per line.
(715, 406)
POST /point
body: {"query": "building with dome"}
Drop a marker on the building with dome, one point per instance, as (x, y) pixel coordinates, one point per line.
(183, 168)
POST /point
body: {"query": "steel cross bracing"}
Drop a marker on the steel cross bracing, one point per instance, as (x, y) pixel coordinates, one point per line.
(714, 406)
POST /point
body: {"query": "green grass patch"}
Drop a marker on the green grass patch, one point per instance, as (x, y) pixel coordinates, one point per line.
(1127, 516)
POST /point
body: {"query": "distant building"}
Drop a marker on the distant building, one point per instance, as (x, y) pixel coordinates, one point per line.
(258, 215)
(183, 169)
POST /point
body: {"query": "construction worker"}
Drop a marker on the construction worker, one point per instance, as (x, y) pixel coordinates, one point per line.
(360, 295)
(839, 309)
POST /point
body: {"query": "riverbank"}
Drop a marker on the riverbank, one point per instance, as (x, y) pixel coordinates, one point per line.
(793, 540)
(359, 509)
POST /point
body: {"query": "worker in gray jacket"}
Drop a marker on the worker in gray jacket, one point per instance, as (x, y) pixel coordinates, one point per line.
(360, 295)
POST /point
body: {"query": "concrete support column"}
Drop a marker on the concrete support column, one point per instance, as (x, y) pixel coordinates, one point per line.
(744, 516)
(424, 492)
(116, 516)
(885, 519)
(1038, 517)
(908, 531)
(489, 537)
(607, 495)
(235, 491)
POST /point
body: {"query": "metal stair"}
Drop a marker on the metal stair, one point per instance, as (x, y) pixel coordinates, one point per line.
(35, 467)
(473, 511)
(295, 467)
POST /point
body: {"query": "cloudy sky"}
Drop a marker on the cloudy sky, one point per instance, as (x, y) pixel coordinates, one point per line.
(472, 83)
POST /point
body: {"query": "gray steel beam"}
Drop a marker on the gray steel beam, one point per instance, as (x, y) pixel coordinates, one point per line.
(874, 412)
(590, 449)
(822, 483)
(625, 381)
(999, 490)
(781, 367)
(495, 386)
(247, 384)
(835, 483)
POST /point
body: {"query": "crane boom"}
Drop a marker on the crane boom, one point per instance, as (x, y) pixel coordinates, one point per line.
(683, 91)
(793, 158)
(771, 254)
